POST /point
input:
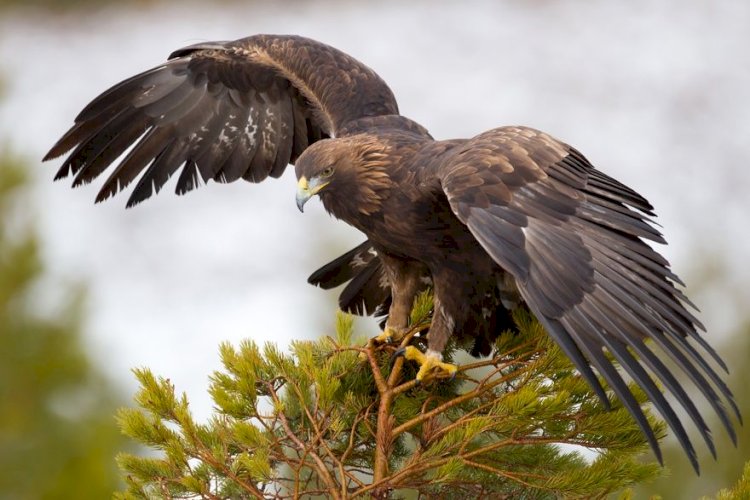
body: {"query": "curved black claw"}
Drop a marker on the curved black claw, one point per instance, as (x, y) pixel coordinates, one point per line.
(401, 351)
(398, 353)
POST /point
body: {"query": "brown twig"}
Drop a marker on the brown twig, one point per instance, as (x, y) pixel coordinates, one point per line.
(383, 432)
(500, 472)
(203, 454)
(451, 403)
(320, 465)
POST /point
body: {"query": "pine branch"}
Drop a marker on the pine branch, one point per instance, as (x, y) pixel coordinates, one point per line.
(336, 418)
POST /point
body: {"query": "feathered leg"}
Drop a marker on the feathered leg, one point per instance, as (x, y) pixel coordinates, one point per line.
(441, 329)
(405, 278)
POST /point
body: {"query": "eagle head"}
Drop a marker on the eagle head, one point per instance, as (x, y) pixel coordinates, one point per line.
(318, 168)
(349, 174)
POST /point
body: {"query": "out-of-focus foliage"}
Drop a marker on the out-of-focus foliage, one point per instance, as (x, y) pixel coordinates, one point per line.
(679, 481)
(740, 490)
(338, 419)
(57, 434)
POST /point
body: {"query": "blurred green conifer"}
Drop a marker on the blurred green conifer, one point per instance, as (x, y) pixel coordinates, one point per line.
(57, 434)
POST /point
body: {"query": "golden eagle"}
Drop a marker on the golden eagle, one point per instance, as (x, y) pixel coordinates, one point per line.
(510, 218)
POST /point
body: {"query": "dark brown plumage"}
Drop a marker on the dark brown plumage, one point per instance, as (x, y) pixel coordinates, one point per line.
(510, 218)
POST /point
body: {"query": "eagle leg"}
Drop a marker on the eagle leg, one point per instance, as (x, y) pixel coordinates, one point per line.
(405, 280)
(427, 362)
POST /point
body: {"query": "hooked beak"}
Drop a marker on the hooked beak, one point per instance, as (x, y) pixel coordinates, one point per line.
(306, 190)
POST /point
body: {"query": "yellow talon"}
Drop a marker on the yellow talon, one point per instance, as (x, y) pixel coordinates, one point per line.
(388, 336)
(429, 361)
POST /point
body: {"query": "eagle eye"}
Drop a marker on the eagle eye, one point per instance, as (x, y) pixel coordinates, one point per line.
(327, 172)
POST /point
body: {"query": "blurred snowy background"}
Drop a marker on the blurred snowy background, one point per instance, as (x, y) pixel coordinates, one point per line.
(656, 94)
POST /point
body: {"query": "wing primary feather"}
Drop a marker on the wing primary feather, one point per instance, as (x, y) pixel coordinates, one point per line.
(619, 208)
(619, 222)
(664, 304)
(93, 144)
(122, 92)
(625, 257)
(636, 316)
(673, 385)
(600, 312)
(618, 196)
(569, 346)
(700, 381)
(647, 292)
(654, 263)
(136, 160)
(78, 133)
(123, 137)
(680, 341)
(606, 186)
(189, 178)
(615, 189)
(620, 239)
(158, 172)
(576, 321)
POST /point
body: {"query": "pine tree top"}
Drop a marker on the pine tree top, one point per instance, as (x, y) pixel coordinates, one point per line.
(337, 418)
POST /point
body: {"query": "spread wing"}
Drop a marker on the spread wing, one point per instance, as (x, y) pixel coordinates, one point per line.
(573, 239)
(221, 110)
